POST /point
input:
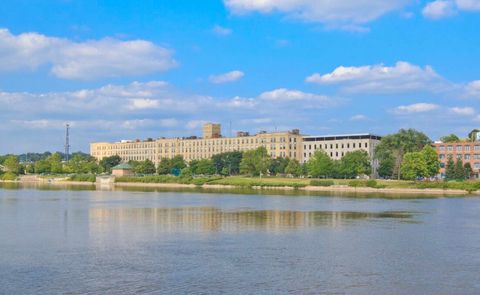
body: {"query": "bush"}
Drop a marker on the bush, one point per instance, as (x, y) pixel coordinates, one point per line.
(355, 183)
(83, 177)
(321, 182)
(9, 176)
(372, 183)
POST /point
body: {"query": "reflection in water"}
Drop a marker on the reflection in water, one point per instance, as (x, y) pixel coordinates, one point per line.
(207, 219)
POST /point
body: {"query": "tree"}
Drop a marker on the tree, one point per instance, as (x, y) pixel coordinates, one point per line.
(431, 160)
(468, 170)
(459, 170)
(177, 162)
(164, 166)
(354, 164)
(414, 166)
(395, 146)
(108, 163)
(320, 165)
(385, 169)
(294, 168)
(450, 168)
(450, 138)
(255, 162)
(55, 163)
(144, 167)
(81, 163)
(227, 163)
(278, 165)
(205, 167)
(11, 164)
(42, 166)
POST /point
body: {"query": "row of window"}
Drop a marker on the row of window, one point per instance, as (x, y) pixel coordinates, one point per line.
(443, 157)
(325, 146)
(475, 165)
(458, 148)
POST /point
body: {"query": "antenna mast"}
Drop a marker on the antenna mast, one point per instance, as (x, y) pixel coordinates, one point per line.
(67, 141)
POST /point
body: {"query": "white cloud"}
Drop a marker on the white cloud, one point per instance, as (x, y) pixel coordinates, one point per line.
(466, 111)
(221, 31)
(472, 89)
(468, 5)
(401, 77)
(415, 108)
(82, 60)
(226, 77)
(324, 11)
(439, 9)
(359, 117)
(143, 103)
(283, 94)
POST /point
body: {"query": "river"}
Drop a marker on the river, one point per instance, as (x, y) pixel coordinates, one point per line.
(87, 241)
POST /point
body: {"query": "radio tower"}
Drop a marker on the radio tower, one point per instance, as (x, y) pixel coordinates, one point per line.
(67, 141)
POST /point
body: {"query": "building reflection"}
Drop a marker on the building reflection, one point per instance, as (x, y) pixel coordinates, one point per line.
(207, 219)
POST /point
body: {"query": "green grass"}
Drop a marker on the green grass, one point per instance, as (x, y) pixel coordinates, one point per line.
(166, 179)
(262, 182)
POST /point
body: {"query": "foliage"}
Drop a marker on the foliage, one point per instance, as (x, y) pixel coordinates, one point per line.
(11, 164)
(278, 166)
(227, 163)
(164, 166)
(204, 167)
(354, 164)
(83, 177)
(414, 166)
(55, 163)
(108, 163)
(321, 182)
(177, 162)
(450, 168)
(431, 161)
(459, 170)
(395, 146)
(10, 176)
(81, 164)
(385, 169)
(468, 170)
(294, 168)
(255, 162)
(42, 166)
(450, 138)
(143, 167)
(320, 165)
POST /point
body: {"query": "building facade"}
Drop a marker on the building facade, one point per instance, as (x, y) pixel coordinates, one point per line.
(286, 144)
(467, 151)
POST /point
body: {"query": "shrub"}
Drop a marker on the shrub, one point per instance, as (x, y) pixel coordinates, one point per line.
(321, 182)
(372, 183)
(355, 183)
(9, 176)
(83, 177)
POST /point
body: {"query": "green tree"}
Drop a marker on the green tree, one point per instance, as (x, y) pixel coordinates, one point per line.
(81, 163)
(468, 170)
(255, 162)
(395, 146)
(450, 168)
(431, 160)
(355, 163)
(320, 165)
(164, 167)
(205, 167)
(278, 165)
(11, 164)
(42, 166)
(108, 163)
(294, 168)
(459, 170)
(55, 162)
(385, 169)
(450, 138)
(144, 167)
(414, 166)
(227, 163)
(177, 162)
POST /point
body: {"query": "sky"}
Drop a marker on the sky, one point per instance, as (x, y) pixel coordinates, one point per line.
(124, 69)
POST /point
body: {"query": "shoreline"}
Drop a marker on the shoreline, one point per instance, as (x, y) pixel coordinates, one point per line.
(306, 189)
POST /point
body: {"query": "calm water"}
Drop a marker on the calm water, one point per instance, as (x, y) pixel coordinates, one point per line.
(98, 242)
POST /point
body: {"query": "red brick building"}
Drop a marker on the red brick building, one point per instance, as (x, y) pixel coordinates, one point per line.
(468, 151)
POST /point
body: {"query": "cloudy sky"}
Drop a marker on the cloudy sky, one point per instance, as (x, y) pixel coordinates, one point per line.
(136, 69)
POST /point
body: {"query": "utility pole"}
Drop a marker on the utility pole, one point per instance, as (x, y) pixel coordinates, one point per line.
(67, 141)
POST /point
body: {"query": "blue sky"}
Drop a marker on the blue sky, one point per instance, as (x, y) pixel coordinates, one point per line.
(136, 69)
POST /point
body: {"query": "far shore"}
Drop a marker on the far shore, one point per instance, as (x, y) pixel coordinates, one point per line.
(307, 188)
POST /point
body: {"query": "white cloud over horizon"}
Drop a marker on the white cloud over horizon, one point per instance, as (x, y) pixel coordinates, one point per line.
(415, 108)
(88, 60)
(334, 13)
(439, 9)
(228, 77)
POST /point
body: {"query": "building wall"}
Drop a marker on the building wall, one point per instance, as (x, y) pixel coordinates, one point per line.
(467, 151)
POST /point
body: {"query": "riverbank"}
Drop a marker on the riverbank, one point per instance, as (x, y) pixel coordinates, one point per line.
(386, 187)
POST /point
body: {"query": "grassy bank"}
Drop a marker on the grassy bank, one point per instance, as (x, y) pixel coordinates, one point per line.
(243, 181)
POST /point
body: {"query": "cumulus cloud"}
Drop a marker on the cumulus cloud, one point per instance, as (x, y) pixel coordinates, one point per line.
(226, 77)
(324, 11)
(472, 89)
(445, 8)
(221, 31)
(415, 108)
(439, 9)
(401, 77)
(87, 60)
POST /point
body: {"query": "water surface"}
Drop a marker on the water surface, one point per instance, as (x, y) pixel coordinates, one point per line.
(93, 241)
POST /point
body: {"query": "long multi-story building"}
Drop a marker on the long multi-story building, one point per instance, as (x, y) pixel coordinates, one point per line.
(285, 144)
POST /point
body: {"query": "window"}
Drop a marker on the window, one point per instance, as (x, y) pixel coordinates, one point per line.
(442, 148)
(466, 148)
(476, 156)
(354, 145)
(459, 148)
(476, 165)
(441, 157)
(477, 148)
(467, 157)
(450, 148)
(442, 165)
